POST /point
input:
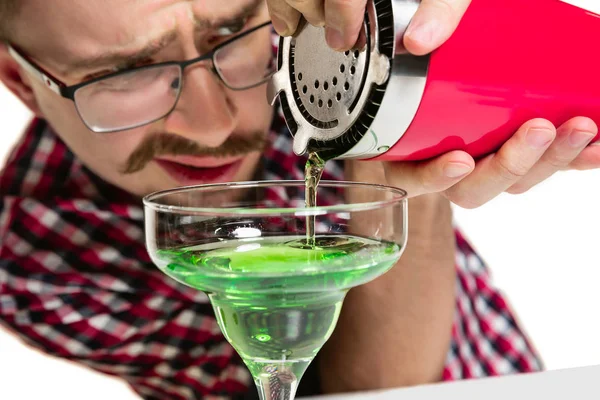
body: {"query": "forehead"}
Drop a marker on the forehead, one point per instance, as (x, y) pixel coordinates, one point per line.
(86, 27)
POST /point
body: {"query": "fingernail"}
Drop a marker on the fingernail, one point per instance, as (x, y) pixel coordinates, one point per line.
(539, 137)
(580, 138)
(422, 33)
(455, 170)
(280, 25)
(334, 38)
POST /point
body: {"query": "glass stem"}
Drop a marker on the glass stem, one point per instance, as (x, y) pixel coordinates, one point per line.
(277, 382)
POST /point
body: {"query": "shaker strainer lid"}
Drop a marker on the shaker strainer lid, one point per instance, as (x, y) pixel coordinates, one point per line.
(329, 98)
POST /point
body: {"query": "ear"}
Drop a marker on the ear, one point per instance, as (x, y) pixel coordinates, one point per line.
(16, 80)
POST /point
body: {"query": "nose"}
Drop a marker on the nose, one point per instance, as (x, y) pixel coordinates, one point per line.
(203, 113)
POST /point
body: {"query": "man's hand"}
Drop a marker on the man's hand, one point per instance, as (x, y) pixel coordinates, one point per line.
(342, 18)
(534, 153)
(433, 23)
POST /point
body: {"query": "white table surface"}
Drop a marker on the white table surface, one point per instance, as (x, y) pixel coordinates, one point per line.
(581, 383)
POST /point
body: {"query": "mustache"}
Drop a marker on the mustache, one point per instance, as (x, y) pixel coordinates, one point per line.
(174, 145)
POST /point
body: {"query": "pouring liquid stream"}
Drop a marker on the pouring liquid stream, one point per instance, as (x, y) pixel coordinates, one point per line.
(312, 175)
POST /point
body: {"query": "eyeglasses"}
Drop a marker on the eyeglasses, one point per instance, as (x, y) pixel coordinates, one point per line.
(138, 96)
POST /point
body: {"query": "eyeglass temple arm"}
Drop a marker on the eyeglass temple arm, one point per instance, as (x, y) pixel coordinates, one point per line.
(23, 62)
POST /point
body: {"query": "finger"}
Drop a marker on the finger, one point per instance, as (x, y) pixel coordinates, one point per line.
(499, 171)
(361, 42)
(283, 16)
(343, 22)
(312, 10)
(433, 23)
(571, 139)
(589, 158)
(431, 176)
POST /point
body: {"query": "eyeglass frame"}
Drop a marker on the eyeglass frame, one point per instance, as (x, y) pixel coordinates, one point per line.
(68, 92)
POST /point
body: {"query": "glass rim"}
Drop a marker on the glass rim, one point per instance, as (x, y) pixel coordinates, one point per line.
(150, 202)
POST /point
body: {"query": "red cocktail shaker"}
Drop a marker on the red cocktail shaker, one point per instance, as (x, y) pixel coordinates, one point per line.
(507, 62)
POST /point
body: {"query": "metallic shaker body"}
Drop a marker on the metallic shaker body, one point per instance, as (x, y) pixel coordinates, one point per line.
(508, 61)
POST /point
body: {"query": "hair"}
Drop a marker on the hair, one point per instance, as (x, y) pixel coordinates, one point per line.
(8, 10)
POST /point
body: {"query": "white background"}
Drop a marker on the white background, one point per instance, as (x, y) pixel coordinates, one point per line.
(542, 246)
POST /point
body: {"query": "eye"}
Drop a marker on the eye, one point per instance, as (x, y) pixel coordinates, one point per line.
(231, 28)
(225, 31)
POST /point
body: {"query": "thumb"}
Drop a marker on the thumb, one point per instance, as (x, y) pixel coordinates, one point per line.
(431, 176)
(433, 23)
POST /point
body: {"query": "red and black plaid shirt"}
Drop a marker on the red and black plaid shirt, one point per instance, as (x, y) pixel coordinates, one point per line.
(77, 283)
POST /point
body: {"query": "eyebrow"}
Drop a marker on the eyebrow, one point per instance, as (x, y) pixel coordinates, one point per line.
(123, 60)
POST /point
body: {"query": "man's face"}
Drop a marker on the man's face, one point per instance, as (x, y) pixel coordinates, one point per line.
(69, 38)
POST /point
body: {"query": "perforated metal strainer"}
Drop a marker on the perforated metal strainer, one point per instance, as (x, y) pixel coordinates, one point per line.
(330, 99)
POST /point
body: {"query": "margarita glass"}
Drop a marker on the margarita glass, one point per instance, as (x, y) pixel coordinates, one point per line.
(276, 294)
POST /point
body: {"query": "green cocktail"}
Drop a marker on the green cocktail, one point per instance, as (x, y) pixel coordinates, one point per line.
(276, 297)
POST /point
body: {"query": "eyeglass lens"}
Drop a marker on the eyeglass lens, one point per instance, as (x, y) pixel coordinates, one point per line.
(133, 99)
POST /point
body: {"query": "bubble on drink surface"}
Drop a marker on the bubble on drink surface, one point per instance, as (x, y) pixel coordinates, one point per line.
(299, 244)
(321, 242)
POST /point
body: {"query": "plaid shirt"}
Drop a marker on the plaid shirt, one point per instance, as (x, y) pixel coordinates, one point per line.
(77, 283)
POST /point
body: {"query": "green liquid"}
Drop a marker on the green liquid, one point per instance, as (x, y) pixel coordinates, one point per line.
(277, 299)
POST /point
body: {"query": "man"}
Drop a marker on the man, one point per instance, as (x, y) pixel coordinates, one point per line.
(114, 124)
